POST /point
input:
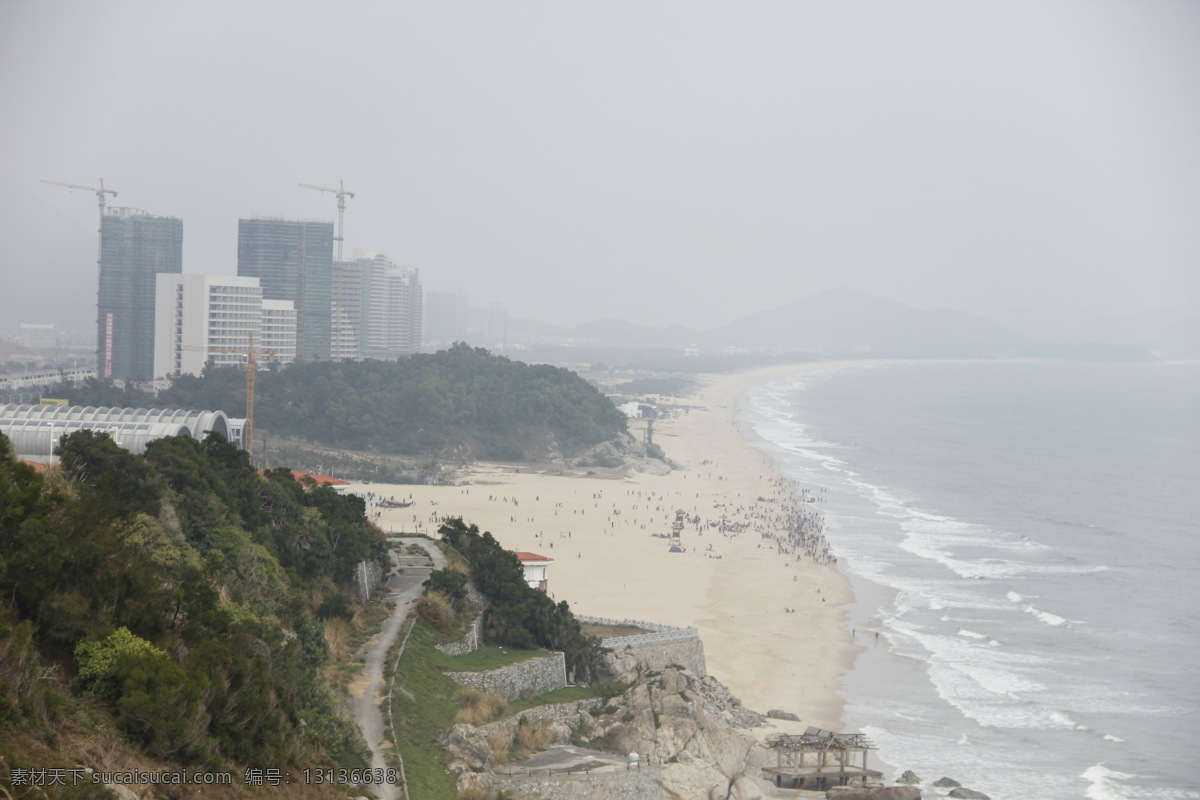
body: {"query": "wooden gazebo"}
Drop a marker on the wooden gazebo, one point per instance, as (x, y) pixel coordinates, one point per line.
(819, 759)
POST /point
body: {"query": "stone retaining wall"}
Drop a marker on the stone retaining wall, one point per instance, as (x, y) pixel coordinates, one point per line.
(657, 656)
(469, 642)
(566, 713)
(533, 677)
(640, 784)
(666, 645)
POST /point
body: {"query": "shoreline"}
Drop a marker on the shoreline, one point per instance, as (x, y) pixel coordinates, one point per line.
(773, 624)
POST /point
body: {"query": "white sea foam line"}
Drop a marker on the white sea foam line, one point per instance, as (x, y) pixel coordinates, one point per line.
(915, 593)
(983, 684)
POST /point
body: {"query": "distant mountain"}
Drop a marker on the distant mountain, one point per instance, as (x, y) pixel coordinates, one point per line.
(845, 321)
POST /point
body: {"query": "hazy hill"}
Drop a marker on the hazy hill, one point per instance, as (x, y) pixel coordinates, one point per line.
(844, 320)
(850, 322)
(1174, 332)
(461, 402)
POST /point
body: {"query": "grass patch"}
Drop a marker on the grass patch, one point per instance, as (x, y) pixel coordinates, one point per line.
(569, 694)
(492, 657)
(419, 722)
(611, 631)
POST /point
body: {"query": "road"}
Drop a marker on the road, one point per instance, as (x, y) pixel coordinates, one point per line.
(403, 590)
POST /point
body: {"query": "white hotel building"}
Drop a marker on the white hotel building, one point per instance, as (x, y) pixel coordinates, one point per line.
(209, 318)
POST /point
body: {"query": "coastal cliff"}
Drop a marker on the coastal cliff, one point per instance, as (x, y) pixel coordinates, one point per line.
(690, 733)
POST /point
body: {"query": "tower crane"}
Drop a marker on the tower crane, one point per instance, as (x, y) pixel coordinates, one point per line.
(342, 194)
(100, 192)
(251, 375)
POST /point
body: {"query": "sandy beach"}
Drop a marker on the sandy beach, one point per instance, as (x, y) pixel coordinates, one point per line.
(771, 622)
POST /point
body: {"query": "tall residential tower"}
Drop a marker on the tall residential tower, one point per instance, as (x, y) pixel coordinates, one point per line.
(392, 305)
(293, 260)
(134, 248)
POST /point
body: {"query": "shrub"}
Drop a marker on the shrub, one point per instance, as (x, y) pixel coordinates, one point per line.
(500, 744)
(532, 737)
(435, 609)
(476, 707)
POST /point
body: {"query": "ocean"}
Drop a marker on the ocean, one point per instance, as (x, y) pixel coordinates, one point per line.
(1022, 539)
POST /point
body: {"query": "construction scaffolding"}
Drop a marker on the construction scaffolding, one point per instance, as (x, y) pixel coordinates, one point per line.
(818, 760)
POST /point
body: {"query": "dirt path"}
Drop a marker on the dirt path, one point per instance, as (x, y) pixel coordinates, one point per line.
(403, 589)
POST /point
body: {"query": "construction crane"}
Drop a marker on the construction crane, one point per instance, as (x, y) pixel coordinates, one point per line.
(251, 376)
(342, 194)
(100, 192)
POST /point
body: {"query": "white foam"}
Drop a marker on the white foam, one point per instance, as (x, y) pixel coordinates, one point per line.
(971, 634)
(1102, 785)
(1063, 721)
(1108, 737)
(1045, 616)
(1016, 598)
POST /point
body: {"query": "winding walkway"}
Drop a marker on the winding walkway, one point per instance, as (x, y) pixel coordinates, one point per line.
(403, 590)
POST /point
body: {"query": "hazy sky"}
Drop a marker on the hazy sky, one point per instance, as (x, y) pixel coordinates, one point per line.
(661, 162)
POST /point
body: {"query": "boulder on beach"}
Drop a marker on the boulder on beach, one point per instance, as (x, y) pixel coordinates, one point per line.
(946, 783)
(968, 794)
(775, 713)
(908, 777)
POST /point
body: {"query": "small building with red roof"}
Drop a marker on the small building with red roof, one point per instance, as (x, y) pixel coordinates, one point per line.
(535, 567)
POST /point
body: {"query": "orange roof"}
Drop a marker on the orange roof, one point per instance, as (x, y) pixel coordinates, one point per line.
(322, 480)
(528, 558)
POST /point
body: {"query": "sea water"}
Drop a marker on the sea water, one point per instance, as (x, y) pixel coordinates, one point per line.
(1023, 543)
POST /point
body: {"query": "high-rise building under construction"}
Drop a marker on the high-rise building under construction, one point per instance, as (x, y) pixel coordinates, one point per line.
(134, 248)
(293, 260)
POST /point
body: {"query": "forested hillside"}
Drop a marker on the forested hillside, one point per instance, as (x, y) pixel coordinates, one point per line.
(462, 401)
(172, 601)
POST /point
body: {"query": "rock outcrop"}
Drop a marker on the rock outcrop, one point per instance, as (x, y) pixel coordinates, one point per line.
(908, 778)
(967, 794)
(946, 783)
(775, 713)
(467, 749)
(874, 793)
